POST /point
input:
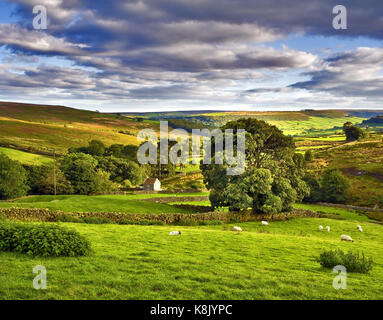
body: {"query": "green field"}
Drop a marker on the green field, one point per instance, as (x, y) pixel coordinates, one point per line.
(209, 262)
(105, 203)
(25, 157)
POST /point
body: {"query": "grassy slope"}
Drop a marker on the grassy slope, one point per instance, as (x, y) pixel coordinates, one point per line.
(41, 128)
(362, 163)
(25, 157)
(105, 203)
(136, 262)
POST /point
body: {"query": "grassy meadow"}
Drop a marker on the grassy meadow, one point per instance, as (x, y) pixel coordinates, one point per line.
(207, 262)
(26, 157)
(104, 203)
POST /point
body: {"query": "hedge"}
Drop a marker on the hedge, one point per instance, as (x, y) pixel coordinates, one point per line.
(46, 215)
(42, 240)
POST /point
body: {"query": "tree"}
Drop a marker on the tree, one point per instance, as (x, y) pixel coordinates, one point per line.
(50, 177)
(103, 184)
(315, 189)
(271, 181)
(80, 170)
(94, 148)
(121, 169)
(13, 178)
(308, 156)
(334, 186)
(352, 132)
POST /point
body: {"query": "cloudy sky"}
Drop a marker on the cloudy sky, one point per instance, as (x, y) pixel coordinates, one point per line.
(156, 55)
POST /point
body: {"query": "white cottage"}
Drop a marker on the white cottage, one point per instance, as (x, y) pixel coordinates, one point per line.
(152, 184)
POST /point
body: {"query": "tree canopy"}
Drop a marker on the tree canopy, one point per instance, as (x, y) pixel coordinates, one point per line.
(271, 181)
(13, 178)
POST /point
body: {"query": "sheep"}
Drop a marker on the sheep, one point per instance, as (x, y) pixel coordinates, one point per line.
(239, 229)
(320, 228)
(328, 229)
(344, 237)
(265, 223)
(359, 228)
(175, 233)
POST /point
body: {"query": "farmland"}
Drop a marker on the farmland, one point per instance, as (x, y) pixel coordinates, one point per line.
(103, 203)
(26, 157)
(206, 262)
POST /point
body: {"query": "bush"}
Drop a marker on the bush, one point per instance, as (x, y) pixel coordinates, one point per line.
(67, 218)
(142, 222)
(353, 262)
(210, 223)
(187, 222)
(96, 220)
(42, 240)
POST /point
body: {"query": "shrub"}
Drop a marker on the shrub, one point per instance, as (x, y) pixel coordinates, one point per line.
(308, 156)
(67, 218)
(353, 262)
(211, 223)
(42, 240)
(186, 222)
(96, 220)
(142, 222)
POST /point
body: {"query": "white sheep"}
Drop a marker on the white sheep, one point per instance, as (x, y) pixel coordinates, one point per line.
(320, 228)
(265, 223)
(239, 229)
(175, 233)
(344, 237)
(328, 229)
(359, 228)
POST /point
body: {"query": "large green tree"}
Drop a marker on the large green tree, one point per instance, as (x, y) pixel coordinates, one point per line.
(13, 178)
(352, 132)
(47, 179)
(334, 186)
(271, 181)
(80, 170)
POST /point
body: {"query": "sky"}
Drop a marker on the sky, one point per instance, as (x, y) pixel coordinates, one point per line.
(168, 55)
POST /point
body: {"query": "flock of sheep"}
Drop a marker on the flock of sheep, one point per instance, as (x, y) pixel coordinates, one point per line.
(343, 237)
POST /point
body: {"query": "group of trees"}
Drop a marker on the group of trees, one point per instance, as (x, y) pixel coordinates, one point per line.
(272, 180)
(87, 170)
(352, 132)
(98, 148)
(274, 177)
(331, 187)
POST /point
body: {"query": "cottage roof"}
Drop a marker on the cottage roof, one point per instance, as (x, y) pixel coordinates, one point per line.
(150, 180)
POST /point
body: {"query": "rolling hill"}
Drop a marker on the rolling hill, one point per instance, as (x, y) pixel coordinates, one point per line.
(43, 128)
(297, 123)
